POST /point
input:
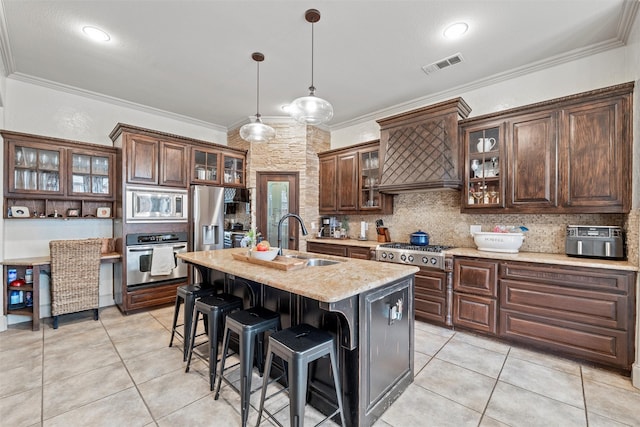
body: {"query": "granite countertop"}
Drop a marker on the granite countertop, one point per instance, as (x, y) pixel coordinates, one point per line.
(330, 283)
(345, 242)
(544, 258)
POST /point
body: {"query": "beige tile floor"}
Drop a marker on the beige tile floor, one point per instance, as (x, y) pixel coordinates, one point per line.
(119, 371)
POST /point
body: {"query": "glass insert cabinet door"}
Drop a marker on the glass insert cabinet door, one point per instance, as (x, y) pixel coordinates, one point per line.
(90, 174)
(233, 170)
(36, 169)
(484, 177)
(370, 179)
(205, 165)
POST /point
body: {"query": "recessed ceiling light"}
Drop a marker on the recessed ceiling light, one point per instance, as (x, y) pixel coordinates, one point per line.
(456, 30)
(96, 34)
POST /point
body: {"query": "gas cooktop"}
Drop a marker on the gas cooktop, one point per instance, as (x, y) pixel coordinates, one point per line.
(431, 256)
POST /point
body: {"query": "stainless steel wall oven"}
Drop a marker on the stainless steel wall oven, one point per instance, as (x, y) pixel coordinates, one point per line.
(139, 258)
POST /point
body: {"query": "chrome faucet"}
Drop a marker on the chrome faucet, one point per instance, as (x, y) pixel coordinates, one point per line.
(289, 215)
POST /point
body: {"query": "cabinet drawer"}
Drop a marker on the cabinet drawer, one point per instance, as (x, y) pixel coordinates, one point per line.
(150, 297)
(327, 249)
(431, 281)
(607, 346)
(473, 312)
(359, 253)
(577, 277)
(430, 307)
(474, 276)
(578, 305)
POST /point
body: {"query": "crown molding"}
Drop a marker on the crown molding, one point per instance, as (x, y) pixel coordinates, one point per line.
(488, 81)
(112, 100)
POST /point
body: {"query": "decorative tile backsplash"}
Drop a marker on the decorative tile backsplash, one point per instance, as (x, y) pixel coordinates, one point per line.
(438, 213)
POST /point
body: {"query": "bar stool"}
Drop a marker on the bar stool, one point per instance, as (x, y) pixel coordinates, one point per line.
(248, 325)
(214, 308)
(298, 346)
(187, 294)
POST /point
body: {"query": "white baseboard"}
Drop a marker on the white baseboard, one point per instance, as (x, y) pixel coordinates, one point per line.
(635, 375)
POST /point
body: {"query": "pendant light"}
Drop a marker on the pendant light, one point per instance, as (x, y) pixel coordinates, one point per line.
(311, 109)
(257, 131)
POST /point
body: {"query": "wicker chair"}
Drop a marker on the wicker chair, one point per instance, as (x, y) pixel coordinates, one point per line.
(75, 276)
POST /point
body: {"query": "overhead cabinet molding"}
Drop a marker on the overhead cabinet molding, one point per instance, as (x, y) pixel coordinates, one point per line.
(567, 155)
(420, 148)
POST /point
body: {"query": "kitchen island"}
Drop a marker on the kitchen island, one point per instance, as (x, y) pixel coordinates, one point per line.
(367, 305)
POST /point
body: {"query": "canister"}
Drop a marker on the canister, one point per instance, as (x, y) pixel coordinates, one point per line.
(12, 274)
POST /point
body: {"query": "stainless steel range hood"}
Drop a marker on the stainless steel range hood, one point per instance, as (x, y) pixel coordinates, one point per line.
(421, 149)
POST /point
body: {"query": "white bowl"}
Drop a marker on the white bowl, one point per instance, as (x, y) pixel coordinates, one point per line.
(498, 242)
(264, 255)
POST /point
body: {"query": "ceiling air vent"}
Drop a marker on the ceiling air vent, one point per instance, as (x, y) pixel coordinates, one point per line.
(443, 63)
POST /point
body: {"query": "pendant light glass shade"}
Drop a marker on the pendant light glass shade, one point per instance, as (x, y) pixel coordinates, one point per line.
(257, 131)
(311, 109)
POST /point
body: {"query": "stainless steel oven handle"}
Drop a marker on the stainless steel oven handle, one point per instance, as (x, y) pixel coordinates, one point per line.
(150, 248)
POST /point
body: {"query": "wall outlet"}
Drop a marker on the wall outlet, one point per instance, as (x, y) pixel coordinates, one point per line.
(475, 229)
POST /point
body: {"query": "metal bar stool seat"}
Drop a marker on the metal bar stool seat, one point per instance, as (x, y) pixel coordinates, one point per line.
(298, 346)
(187, 294)
(214, 308)
(249, 325)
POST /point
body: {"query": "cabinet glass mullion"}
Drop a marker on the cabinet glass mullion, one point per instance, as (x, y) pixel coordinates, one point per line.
(90, 174)
(36, 169)
(205, 164)
(369, 179)
(484, 178)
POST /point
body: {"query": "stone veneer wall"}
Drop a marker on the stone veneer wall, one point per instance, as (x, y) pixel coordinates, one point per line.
(438, 213)
(294, 149)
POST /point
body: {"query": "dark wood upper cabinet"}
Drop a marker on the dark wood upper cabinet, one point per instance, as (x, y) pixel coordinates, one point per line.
(156, 158)
(173, 164)
(532, 170)
(349, 181)
(142, 159)
(567, 155)
(596, 154)
(58, 178)
(328, 183)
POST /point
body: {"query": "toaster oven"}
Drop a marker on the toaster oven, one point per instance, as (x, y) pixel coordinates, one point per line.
(606, 242)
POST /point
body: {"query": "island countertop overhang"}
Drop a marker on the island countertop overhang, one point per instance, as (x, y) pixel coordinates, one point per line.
(327, 284)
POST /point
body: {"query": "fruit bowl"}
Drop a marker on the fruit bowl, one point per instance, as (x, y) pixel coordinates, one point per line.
(264, 255)
(498, 242)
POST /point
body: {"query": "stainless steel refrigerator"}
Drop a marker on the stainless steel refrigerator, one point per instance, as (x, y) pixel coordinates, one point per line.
(207, 216)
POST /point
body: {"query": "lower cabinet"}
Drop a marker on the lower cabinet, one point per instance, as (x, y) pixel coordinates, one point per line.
(359, 252)
(475, 292)
(431, 297)
(582, 312)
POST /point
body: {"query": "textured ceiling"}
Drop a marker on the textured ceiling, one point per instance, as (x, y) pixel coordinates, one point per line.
(193, 58)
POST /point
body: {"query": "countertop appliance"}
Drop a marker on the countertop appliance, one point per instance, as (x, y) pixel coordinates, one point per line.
(606, 242)
(207, 213)
(430, 256)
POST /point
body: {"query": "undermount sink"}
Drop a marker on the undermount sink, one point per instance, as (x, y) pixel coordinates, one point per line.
(314, 262)
(319, 262)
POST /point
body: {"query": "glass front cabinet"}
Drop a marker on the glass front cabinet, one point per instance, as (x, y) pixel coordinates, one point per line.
(205, 166)
(369, 180)
(484, 166)
(35, 169)
(90, 174)
(233, 171)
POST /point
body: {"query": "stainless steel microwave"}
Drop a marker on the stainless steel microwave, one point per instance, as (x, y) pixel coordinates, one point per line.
(156, 204)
